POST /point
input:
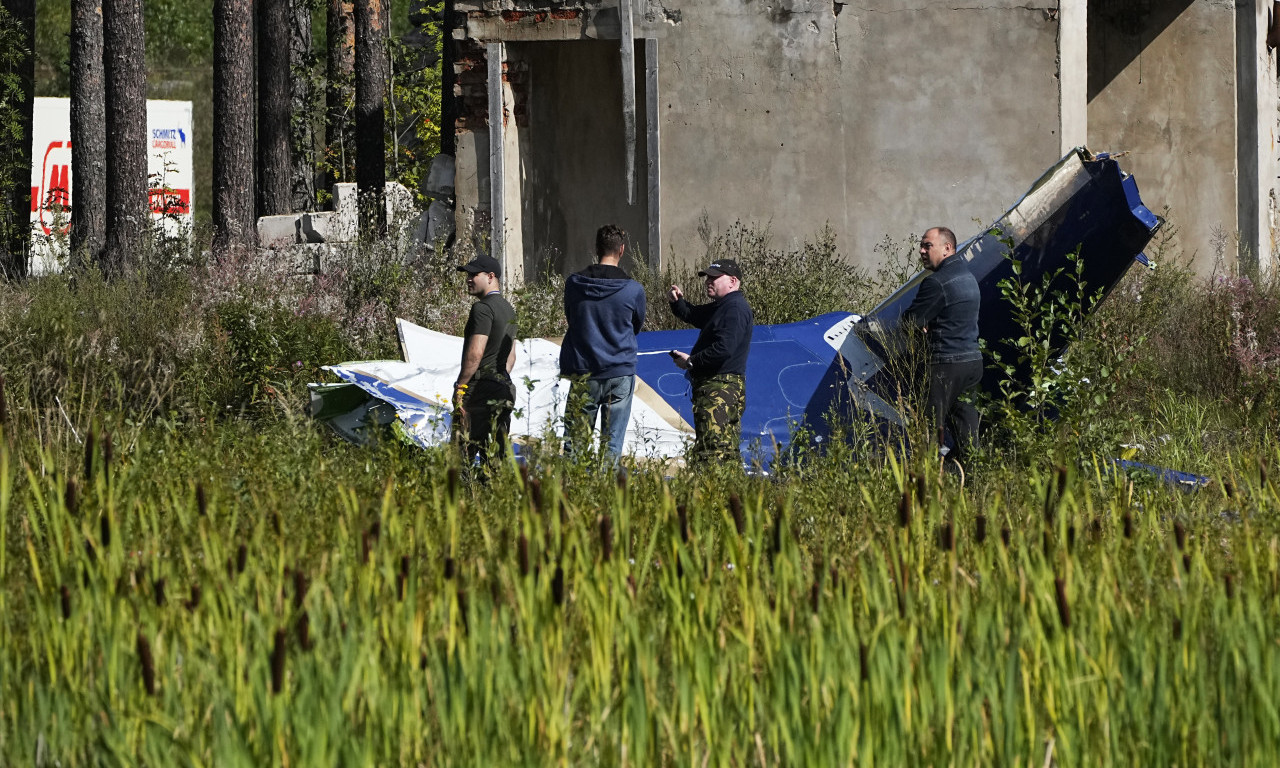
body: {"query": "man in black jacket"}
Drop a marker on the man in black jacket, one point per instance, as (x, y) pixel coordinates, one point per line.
(946, 307)
(718, 361)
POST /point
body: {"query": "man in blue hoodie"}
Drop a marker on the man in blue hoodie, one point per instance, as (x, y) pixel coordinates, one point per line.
(605, 309)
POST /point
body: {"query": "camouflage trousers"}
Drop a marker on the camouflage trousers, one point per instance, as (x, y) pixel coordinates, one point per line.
(482, 428)
(718, 402)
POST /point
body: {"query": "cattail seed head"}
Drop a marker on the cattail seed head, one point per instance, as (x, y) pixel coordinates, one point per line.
(449, 568)
(1262, 471)
(815, 592)
(1005, 535)
(4, 406)
(1228, 583)
(621, 479)
(535, 494)
(1062, 479)
(606, 537)
(1128, 525)
(193, 602)
(300, 586)
(682, 522)
(735, 510)
(71, 497)
(904, 508)
(90, 448)
(1229, 488)
(104, 529)
(1064, 610)
(1186, 562)
(1180, 535)
(202, 503)
(1177, 628)
(277, 661)
(557, 586)
(108, 452)
(777, 533)
(242, 558)
(862, 662)
(922, 486)
(402, 576)
(147, 664)
(65, 594)
(947, 537)
(157, 590)
(522, 554)
(462, 610)
(451, 483)
(1071, 538)
(302, 628)
(980, 529)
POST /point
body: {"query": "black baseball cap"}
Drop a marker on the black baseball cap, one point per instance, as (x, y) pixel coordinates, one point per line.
(722, 267)
(482, 263)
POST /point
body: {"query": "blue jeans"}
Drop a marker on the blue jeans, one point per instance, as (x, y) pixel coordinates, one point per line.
(610, 399)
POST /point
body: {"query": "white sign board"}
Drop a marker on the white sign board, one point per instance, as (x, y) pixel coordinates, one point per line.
(170, 169)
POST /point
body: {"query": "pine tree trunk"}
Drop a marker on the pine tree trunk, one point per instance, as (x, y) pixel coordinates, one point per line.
(125, 74)
(275, 98)
(233, 203)
(302, 136)
(339, 74)
(16, 156)
(372, 77)
(88, 134)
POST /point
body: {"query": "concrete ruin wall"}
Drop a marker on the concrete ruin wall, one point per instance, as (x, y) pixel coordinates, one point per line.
(876, 118)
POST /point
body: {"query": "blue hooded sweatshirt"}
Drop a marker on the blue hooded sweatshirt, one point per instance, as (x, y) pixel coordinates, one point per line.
(605, 309)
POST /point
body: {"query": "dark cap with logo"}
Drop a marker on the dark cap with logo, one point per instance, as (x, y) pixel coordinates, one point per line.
(722, 267)
(482, 263)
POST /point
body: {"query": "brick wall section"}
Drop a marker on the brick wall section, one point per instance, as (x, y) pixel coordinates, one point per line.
(472, 88)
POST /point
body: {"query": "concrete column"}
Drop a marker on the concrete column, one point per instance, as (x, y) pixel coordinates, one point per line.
(1256, 164)
(494, 54)
(653, 121)
(1073, 74)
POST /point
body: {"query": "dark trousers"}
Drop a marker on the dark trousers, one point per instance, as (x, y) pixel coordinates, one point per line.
(718, 403)
(947, 382)
(483, 430)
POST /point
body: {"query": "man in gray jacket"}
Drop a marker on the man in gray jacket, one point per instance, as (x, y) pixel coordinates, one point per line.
(605, 309)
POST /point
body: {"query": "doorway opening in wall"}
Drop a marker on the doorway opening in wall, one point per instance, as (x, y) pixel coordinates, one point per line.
(572, 153)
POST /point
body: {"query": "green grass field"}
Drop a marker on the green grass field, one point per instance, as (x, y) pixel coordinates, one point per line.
(193, 573)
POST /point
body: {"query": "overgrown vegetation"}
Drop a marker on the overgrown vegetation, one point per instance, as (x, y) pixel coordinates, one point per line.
(192, 572)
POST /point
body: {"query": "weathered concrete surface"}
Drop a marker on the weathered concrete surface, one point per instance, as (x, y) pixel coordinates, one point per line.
(880, 120)
(1163, 87)
(575, 106)
(876, 118)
